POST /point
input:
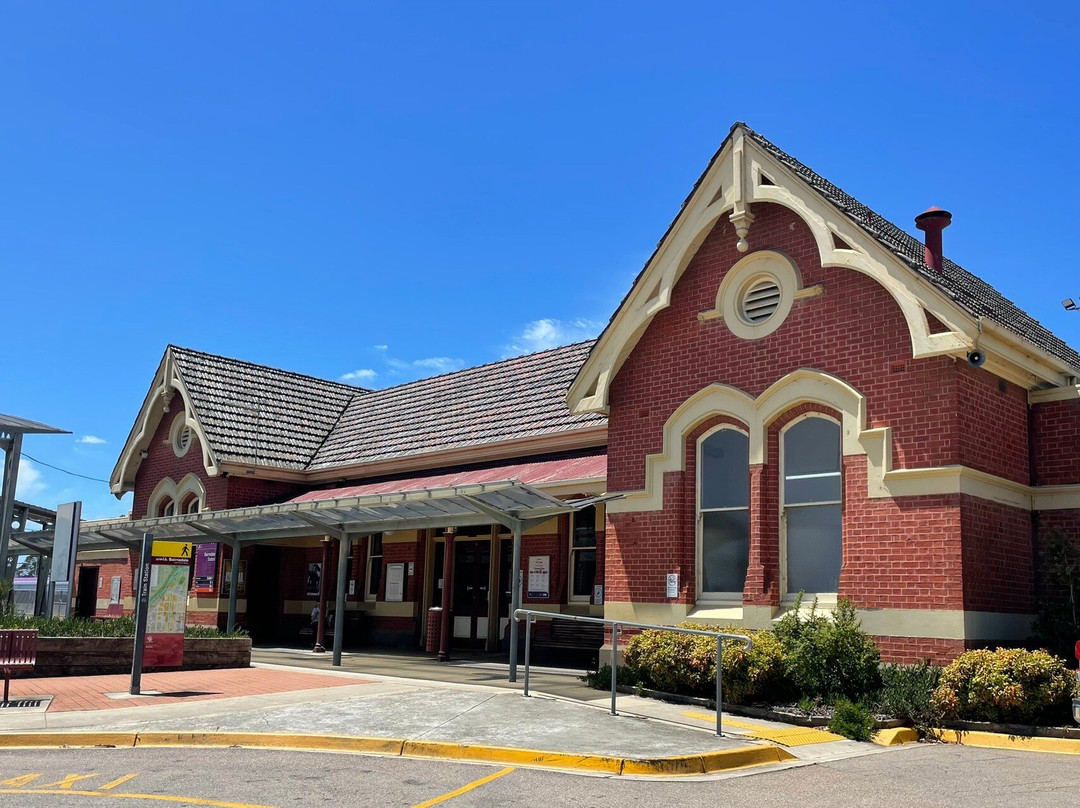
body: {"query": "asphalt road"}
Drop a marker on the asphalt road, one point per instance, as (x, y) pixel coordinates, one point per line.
(923, 776)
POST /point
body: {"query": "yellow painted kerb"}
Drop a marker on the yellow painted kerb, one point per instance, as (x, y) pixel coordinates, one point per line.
(995, 740)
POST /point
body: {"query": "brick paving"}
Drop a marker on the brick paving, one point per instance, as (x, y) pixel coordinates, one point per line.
(88, 692)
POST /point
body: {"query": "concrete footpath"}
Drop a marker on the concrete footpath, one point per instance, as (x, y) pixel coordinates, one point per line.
(476, 716)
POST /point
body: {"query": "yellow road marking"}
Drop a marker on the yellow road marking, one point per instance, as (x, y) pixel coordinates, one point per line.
(18, 782)
(467, 787)
(68, 781)
(795, 736)
(116, 782)
(121, 796)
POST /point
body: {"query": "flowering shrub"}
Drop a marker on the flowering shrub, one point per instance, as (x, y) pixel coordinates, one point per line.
(686, 663)
(1008, 685)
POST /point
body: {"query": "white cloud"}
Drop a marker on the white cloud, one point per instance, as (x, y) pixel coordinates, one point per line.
(93, 440)
(361, 375)
(539, 335)
(440, 364)
(31, 484)
(380, 347)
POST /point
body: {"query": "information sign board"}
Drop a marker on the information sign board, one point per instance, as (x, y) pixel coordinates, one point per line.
(539, 577)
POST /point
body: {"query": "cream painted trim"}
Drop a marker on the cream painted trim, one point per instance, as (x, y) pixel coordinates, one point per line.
(810, 386)
(942, 624)
(158, 401)
(102, 555)
(760, 265)
(1066, 393)
(167, 487)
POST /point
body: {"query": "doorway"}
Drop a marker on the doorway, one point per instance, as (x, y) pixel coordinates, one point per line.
(263, 594)
(86, 593)
(472, 581)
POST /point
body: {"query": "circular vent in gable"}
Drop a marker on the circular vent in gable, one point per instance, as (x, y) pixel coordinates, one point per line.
(760, 300)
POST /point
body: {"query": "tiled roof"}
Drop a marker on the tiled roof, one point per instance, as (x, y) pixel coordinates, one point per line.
(509, 400)
(265, 416)
(973, 294)
(261, 415)
(588, 467)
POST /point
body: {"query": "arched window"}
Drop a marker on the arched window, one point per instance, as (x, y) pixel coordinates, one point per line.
(189, 503)
(723, 512)
(166, 507)
(812, 497)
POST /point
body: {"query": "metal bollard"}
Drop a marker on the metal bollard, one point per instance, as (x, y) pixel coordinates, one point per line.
(719, 682)
(614, 664)
(528, 645)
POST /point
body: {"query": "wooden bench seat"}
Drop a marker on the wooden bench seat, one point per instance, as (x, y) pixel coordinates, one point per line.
(570, 635)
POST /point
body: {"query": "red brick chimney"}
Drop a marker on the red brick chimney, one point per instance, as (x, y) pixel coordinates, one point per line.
(932, 222)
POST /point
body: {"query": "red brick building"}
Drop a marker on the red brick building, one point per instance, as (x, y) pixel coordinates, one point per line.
(795, 396)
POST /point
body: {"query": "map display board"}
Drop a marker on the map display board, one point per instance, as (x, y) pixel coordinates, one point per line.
(166, 612)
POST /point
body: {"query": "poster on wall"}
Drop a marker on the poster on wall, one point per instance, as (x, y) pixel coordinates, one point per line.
(166, 608)
(206, 556)
(314, 577)
(539, 577)
(395, 583)
(241, 581)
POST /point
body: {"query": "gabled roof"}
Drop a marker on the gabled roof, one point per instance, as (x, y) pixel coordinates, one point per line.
(974, 294)
(260, 415)
(727, 186)
(503, 401)
(253, 415)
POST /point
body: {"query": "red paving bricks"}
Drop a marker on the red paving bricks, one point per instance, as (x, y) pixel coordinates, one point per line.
(88, 692)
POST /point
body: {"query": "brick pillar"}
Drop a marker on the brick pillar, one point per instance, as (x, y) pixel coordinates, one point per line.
(447, 595)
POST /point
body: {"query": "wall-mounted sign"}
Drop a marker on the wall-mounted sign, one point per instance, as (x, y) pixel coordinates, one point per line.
(314, 577)
(241, 580)
(539, 577)
(598, 594)
(114, 590)
(673, 585)
(206, 556)
(395, 583)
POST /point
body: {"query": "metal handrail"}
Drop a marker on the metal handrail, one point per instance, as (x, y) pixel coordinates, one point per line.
(530, 615)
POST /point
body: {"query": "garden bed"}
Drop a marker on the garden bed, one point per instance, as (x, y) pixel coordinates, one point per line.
(88, 656)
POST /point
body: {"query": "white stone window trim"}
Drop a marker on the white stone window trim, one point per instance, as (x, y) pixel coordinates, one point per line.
(743, 275)
(181, 436)
(573, 551)
(825, 600)
(704, 598)
(169, 489)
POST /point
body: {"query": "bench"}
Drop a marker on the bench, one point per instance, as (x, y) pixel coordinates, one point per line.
(18, 652)
(570, 635)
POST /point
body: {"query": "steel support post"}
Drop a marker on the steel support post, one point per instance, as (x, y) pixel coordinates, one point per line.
(515, 600)
(446, 619)
(142, 604)
(344, 545)
(7, 500)
(614, 665)
(528, 645)
(234, 584)
(719, 682)
(324, 573)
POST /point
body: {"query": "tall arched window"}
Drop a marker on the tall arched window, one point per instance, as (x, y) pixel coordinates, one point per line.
(812, 497)
(724, 512)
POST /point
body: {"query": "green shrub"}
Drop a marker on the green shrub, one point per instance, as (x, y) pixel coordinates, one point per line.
(113, 627)
(1008, 685)
(826, 656)
(686, 664)
(852, 720)
(907, 692)
(600, 679)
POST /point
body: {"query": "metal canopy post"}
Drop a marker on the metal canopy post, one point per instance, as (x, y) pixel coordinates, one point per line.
(344, 545)
(234, 583)
(7, 496)
(515, 600)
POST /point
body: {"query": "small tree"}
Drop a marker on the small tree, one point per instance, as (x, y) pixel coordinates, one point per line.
(1058, 622)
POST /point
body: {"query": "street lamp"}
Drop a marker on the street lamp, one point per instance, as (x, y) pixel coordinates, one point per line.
(1070, 304)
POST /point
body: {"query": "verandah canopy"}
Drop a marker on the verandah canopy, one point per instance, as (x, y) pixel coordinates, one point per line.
(510, 503)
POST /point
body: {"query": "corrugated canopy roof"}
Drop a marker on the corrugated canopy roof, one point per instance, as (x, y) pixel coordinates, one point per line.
(504, 502)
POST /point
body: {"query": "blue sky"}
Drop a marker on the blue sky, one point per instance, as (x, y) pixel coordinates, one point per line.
(394, 190)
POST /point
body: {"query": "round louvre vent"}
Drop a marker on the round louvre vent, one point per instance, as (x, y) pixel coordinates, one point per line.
(760, 301)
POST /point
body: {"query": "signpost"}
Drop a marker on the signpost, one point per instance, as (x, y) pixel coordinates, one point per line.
(161, 608)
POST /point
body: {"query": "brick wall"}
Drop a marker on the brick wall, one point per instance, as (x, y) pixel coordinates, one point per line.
(161, 462)
(1056, 427)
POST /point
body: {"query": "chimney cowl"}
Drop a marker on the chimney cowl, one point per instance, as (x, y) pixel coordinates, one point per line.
(932, 221)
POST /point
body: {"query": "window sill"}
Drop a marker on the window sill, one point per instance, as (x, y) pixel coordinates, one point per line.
(716, 610)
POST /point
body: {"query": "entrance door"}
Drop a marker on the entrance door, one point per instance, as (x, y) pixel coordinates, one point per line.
(264, 608)
(472, 566)
(86, 594)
